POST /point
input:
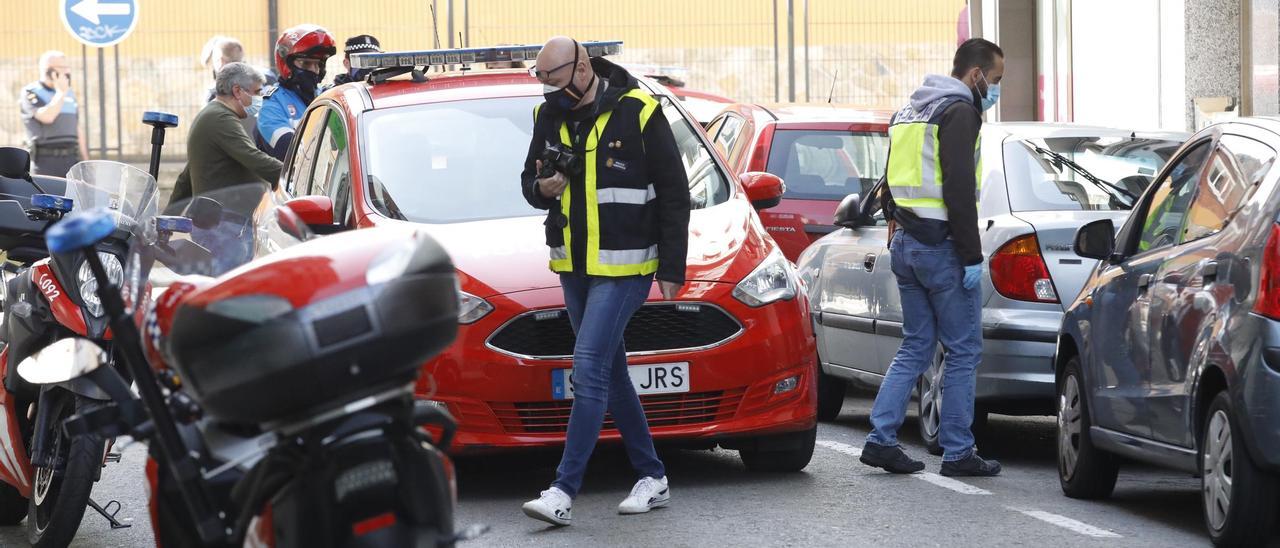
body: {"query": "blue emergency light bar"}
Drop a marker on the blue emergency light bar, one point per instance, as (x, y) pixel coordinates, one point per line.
(467, 56)
(50, 202)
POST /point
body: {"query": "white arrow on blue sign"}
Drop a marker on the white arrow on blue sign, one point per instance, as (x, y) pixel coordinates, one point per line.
(99, 23)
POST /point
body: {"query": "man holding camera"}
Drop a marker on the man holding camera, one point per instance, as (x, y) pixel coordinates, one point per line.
(604, 163)
(51, 118)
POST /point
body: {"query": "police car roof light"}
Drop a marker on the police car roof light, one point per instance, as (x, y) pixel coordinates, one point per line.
(467, 56)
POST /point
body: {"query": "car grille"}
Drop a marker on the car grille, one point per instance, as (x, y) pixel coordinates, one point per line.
(659, 327)
(661, 410)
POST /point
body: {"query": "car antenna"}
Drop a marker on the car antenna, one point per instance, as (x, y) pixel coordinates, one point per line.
(435, 24)
(832, 95)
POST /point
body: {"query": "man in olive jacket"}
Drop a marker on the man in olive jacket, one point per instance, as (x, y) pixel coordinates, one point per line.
(219, 152)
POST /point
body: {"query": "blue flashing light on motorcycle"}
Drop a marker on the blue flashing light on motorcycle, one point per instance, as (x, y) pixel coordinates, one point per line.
(50, 202)
(158, 119)
(80, 230)
(174, 224)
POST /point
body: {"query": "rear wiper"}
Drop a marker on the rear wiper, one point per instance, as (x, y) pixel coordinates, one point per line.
(1111, 189)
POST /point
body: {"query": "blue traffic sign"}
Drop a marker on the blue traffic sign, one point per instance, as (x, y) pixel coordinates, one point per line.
(99, 23)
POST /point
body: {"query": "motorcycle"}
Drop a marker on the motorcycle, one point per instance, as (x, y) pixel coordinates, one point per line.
(47, 475)
(275, 379)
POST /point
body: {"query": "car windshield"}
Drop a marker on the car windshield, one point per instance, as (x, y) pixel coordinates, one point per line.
(827, 164)
(1037, 181)
(461, 161)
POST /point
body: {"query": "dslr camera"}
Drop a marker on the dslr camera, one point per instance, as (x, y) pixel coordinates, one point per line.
(556, 158)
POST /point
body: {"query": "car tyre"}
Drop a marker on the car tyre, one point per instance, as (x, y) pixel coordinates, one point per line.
(797, 452)
(831, 392)
(1084, 471)
(1238, 498)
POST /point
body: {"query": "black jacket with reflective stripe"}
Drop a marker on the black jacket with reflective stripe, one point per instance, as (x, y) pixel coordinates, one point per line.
(628, 212)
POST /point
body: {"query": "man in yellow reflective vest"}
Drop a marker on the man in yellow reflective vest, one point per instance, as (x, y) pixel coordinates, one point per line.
(934, 177)
(604, 163)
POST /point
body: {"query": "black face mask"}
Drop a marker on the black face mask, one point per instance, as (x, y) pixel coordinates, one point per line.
(305, 83)
(567, 97)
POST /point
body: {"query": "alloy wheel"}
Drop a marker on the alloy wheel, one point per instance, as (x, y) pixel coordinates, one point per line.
(931, 399)
(1217, 473)
(1069, 427)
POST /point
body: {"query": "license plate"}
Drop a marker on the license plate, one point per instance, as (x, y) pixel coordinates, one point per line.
(663, 378)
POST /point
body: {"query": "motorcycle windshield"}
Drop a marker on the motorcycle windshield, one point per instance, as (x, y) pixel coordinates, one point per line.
(228, 227)
(125, 190)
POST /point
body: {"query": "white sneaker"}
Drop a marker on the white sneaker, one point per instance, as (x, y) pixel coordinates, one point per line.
(553, 506)
(649, 493)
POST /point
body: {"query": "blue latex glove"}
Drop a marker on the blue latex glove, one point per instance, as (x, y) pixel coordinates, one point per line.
(972, 275)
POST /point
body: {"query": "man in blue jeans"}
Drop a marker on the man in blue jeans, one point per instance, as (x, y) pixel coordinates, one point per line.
(604, 163)
(934, 178)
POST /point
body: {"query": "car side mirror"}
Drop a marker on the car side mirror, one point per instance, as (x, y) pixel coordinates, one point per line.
(849, 212)
(1096, 240)
(316, 212)
(15, 163)
(64, 360)
(763, 189)
(292, 223)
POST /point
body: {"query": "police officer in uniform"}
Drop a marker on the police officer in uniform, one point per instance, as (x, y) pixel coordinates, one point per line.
(51, 118)
(356, 44)
(618, 216)
(300, 55)
(934, 179)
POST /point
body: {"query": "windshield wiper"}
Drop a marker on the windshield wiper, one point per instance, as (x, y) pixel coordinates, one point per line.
(1116, 192)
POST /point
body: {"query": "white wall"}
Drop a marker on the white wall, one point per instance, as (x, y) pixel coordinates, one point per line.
(1126, 60)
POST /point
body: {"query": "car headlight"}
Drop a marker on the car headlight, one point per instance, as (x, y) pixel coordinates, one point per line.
(774, 280)
(471, 308)
(89, 284)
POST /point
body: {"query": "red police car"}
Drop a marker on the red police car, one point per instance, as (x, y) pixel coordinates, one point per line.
(822, 152)
(730, 362)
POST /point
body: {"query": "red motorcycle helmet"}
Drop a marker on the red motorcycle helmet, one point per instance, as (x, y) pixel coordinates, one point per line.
(302, 41)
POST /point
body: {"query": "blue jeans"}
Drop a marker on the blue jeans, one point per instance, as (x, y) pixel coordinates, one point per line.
(935, 308)
(599, 309)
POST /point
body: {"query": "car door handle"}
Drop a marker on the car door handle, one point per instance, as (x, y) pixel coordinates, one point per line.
(870, 262)
(1210, 272)
(1144, 282)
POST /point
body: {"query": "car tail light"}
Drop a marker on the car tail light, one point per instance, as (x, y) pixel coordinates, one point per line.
(760, 156)
(1018, 271)
(1268, 302)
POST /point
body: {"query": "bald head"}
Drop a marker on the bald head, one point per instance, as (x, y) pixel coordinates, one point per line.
(557, 69)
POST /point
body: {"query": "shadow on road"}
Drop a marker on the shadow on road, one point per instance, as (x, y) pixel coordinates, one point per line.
(497, 477)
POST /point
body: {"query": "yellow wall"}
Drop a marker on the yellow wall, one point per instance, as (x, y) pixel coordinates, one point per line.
(875, 51)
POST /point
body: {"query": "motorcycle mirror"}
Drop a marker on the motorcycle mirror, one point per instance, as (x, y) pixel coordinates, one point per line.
(204, 212)
(62, 361)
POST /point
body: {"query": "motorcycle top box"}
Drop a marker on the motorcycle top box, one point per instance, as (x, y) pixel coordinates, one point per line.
(278, 339)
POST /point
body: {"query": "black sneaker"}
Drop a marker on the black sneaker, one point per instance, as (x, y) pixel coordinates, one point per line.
(971, 466)
(892, 459)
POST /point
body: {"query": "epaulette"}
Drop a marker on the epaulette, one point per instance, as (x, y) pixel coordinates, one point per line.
(267, 91)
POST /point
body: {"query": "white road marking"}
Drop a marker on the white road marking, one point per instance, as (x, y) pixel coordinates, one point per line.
(1068, 523)
(941, 481)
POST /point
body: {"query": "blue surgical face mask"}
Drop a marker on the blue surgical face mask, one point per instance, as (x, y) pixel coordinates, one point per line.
(255, 107)
(993, 94)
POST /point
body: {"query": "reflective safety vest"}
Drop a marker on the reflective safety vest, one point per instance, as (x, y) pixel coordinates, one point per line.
(610, 209)
(915, 172)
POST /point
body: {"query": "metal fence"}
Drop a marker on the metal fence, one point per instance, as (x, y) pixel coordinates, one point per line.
(870, 53)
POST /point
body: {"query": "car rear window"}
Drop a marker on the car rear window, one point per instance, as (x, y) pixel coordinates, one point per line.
(1038, 181)
(461, 160)
(827, 164)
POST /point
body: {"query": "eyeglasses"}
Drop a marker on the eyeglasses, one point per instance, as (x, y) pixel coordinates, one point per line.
(542, 76)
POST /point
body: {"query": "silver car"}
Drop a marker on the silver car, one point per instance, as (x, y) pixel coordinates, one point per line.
(1040, 183)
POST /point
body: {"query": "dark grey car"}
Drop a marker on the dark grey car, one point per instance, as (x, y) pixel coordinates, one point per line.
(1171, 352)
